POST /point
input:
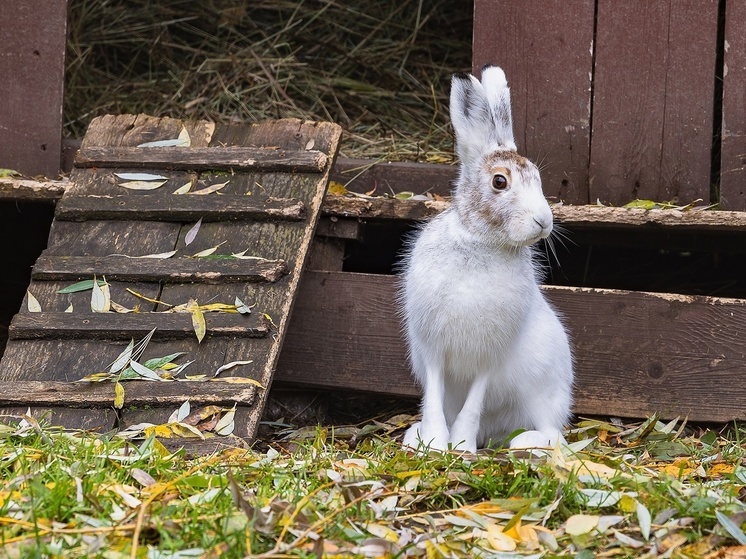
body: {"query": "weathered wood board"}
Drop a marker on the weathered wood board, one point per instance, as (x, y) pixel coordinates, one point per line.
(547, 53)
(653, 91)
(32, 62)
(733, 144)
(636, 353)
(267, 211)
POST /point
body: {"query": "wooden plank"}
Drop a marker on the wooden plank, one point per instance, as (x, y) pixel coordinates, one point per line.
(33, 63)
(636, 353)
(546, 53)
(733, 144)
(115, 326)
(157, 207)
(120, 268)
(368, 175)
(236, 158)
(138, 393)
(653, 100)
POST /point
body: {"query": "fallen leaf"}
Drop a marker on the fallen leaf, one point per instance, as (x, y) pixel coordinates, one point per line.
(69, 308)
(100, 297)
(643, 519)
(198, 320)
(207, 251)
(627, 540)
(79, 286)
(140, 176)
(733, 529)
(230, 366)
(336, 189)
(142, 185)
(210, 189)
(227, 424)
(499, 540)
(184, 188)
(239, 380)
(143, 371)
(176, 142)
(242, 307)
(192, 233)
(123, 359)
(118, 396)
(579, 524)
(309, 146)
(32, 303)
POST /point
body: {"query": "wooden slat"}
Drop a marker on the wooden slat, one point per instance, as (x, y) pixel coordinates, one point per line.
(157, 207)
(636, 353)
(137, 393)
(368, 175)
(237, 158)
(733, 145)
(546, 52)
(653, 100)
(119, 268)
(33, 61)
(115, 326)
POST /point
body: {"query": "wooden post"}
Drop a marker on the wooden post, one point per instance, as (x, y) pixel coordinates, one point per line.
(32, 66)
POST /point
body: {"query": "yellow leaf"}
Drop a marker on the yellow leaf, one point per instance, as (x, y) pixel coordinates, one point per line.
(238, 380)
(198, 320)
(384, 532)
(336, 189)
(163, 431)
(499, 540)
(118, 395)
(627, 504)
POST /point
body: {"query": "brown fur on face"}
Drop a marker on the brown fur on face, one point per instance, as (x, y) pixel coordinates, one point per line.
(499, 158)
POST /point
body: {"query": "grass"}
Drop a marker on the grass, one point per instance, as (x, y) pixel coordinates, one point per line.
(380, 69)
(643, 490)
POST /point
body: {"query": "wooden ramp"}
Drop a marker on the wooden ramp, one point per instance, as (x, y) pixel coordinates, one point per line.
(274, 176)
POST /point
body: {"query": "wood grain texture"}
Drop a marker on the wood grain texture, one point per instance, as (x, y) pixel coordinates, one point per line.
(366, 175)
(733, 145)
(115, 326)
(186, 207)
(653, 100)
(636, 353)
(276, 240)
(121, 268)
(33, 65)
(239, 158)
(546, 52)
(137, 393)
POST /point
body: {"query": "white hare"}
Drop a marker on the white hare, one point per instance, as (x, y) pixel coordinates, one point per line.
(490, 353)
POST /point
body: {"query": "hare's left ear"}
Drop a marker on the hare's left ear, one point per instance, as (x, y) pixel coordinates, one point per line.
(498, 98)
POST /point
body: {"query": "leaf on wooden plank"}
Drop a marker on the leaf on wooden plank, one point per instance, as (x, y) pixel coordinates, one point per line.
(239, 380)
(242, 256)
(176, 142)
(5, 173)
(79, 286)
(186, 140)
(121, 309)
(144, 372)
(100, 297)
(142, 185)
(118, 396)
(197, 417)
(184, 188)
(242, 307)
(192, 233)
(179, 414)
(226, 425)
(210, 189)
(69, 308)
(733, 529)
(336, 189)
(219, 307)
(32, 303)
(310, 144)
(123, 359)
(159, 255)
(208, 251)
(163, 362)
(198, 320)
(230, 365)
(96, 377)
(140, 177)
(185, 431)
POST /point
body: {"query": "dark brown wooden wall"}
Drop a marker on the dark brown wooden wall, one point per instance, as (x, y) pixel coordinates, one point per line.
(617, 97)
(32, 66)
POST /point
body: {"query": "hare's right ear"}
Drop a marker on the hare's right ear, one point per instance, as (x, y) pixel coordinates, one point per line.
(481, 114)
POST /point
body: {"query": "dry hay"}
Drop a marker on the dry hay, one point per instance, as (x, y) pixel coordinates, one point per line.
(380, 69)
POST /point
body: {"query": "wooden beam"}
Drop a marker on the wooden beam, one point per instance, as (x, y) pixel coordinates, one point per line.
(170, 270)
(179, 208)
(238, 158)
(217, 392)
(117, 326)
(32, 63)
(636, 353)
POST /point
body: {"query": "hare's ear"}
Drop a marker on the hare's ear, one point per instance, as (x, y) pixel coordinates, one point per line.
(471, 117)
(496, 89)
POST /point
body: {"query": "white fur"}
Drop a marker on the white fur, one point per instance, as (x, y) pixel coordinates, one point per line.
(490, 353)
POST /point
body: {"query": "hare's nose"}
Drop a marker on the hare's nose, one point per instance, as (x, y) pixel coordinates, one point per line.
(543, 222)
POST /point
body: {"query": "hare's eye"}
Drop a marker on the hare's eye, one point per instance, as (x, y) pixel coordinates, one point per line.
(500, 182)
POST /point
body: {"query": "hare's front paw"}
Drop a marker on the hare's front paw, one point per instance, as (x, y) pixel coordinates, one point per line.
(535, 439)
(419, 437)
(463, 439)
